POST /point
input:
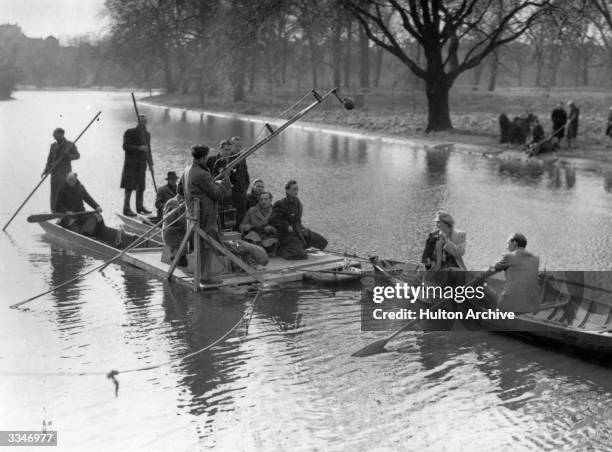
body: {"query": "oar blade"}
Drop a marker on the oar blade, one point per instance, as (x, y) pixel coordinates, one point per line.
(42, 217)
(374, 348)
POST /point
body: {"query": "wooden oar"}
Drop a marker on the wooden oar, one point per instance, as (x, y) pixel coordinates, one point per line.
(50, 216)
(57, 162)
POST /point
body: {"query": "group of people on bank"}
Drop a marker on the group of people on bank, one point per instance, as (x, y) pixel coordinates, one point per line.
(529, 132)
(445, 248)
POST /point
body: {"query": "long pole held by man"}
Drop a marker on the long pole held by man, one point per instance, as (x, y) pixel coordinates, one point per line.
(60, 154)
(137, 147)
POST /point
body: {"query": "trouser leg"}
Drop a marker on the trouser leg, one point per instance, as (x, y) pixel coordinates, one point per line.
(126, 201)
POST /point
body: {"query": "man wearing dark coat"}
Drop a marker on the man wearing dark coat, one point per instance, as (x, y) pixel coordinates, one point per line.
(70, 199)
(165, 193)
(559, 119)
(572, 122)
(136, 144)
(58, 162)
(286, 217)
(197, 183)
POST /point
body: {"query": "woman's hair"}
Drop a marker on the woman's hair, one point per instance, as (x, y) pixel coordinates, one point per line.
(290, 183)
(264, 193)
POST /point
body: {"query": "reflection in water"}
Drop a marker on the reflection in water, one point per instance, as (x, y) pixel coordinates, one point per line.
(436, 160)
(65, 266)
(282, 308)
(528, 173)
(197, 320)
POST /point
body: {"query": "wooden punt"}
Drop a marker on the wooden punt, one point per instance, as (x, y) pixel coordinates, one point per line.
(138, 225)
(341, 275)
(111, 242)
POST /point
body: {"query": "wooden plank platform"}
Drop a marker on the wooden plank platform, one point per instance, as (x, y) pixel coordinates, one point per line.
(277, 270)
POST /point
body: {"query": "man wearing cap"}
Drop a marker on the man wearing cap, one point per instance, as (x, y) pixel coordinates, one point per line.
(520, 292)
(61, 153)
(165, 193)
(136, 144)
(445, 247)
(197, 183)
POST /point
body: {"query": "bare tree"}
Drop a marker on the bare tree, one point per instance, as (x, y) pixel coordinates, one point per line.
(442, 29)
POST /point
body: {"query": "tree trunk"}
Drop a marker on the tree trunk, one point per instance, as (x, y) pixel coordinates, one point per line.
(378, 59)
(438, 88)
(336, 53)
(347, 57)
(364, 59)
(168, 76)
(476, 75)
(494, 65)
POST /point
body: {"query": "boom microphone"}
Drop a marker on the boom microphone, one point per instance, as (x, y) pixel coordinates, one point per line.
(348, 103)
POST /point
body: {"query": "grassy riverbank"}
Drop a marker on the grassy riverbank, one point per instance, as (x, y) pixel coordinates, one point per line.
(474, 114)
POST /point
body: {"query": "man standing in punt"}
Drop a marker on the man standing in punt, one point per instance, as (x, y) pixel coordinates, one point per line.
(61, 153)
(136, 144)
(286, 218)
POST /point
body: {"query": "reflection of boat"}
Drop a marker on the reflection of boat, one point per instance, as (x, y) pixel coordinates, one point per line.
(108, 245)
(579, 324)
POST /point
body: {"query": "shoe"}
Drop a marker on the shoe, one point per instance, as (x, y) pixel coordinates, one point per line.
(129, 213)
(143, 211)
(211, 281)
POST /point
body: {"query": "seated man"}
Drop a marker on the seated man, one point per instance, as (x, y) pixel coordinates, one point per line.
(520, 292)
(286, 218)
(70, 200)
(445, 247)
(255, 227)
(165, 193)
(174, 231)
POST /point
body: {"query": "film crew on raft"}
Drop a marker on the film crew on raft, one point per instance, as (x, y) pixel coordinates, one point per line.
(61, 153)
(197, 182)
(520, 292)
(256, 228)
(240, 182)
(71, 199)
(174, 231)
(137, 147)
(286, 218)
(253, 196)
(165, 193)
(445, 247)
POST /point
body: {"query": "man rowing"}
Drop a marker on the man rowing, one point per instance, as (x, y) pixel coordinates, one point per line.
(520, 292)
(61, 153)
(70, 200)
(286, 217)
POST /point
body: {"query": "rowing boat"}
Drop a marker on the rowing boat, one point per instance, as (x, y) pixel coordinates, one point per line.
(577, 324)
(138, 225)
(106, 245)
(572, 316)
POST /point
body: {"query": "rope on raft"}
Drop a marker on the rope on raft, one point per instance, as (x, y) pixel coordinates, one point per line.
(113, 373)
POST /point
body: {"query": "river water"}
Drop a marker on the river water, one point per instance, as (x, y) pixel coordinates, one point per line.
(287, 380)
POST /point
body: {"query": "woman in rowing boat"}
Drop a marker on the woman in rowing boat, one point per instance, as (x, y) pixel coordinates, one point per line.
(444, 247)
(255, 227)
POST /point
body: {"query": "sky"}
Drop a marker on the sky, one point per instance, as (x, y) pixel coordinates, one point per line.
(60, 18)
